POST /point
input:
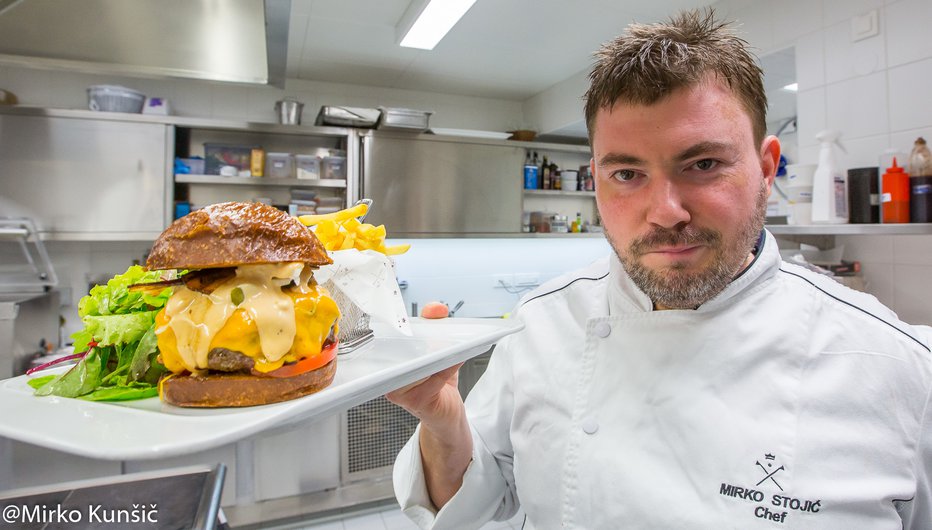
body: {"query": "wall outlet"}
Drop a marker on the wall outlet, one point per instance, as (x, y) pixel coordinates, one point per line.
(864, 26)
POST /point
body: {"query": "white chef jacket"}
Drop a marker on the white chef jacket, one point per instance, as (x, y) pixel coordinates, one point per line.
(787, 401)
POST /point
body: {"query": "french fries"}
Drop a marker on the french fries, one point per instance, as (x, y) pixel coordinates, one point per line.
(342, 231)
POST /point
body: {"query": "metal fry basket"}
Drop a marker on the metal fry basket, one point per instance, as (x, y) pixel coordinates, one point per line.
(354, 322)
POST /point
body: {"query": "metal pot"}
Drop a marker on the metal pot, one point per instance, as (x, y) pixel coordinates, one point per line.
(289, 111)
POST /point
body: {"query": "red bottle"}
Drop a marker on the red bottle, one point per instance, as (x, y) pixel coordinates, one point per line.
(895, 195)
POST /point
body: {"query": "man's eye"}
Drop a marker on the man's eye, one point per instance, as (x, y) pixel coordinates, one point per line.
(705, 164)
(624, 175)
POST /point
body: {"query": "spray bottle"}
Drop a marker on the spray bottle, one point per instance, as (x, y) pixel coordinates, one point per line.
(830, 183)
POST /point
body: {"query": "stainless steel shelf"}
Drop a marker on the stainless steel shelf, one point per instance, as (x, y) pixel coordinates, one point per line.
(192, 122)
(260, 181)
(852, 229)
(59, 235)
(494, 235)
(533, 146)
(558, 193)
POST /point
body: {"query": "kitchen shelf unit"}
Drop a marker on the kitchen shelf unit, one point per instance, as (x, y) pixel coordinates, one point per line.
(558, 193)
(562, 202)
(823, 236)
(260, 181)
(198, 190)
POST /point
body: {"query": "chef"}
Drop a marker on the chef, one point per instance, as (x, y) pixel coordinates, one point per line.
(693, 379)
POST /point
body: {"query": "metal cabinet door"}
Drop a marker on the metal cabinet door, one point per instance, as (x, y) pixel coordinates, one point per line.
(85, 178)
(423, 185)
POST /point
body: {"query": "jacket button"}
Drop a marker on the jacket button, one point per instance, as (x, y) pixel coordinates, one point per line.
(590, 426)
(602, 329)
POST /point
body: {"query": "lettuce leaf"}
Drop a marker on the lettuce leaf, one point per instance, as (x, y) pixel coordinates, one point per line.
(82, 378)
(134, 390)
(121, 323)
(115, 298)
(118, 329)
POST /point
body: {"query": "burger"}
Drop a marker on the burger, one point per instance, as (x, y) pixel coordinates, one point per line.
(246, 323)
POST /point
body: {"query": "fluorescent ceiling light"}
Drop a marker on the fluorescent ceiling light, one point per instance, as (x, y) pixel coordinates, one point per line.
(792, 87)
(437, 18)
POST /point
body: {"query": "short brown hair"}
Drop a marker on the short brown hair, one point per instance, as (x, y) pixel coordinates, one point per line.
(652, 60)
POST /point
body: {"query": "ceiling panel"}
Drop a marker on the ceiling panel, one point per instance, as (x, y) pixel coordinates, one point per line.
(510, 49)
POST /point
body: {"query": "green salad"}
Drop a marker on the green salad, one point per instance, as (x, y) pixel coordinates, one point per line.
(117, 346)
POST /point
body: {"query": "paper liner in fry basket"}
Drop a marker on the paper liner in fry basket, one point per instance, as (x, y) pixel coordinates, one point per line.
(364, 285)
(354, 322)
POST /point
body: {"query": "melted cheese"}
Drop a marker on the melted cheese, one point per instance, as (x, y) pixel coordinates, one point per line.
(264, 326)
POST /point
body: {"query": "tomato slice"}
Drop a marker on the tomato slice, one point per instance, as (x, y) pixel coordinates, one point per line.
(306, 364)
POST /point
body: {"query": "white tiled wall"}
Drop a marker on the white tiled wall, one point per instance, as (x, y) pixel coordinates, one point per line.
(876, 91)
(450, 270)
(898, 272)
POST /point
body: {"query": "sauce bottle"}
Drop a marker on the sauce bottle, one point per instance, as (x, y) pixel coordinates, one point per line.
(895, 195)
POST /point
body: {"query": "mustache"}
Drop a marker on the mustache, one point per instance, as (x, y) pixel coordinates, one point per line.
(661, 237)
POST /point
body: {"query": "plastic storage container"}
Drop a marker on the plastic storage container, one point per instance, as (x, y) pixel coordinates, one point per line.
(195, 165)
(218, 155)
(307, 167)
(279, 165)
(333, 167)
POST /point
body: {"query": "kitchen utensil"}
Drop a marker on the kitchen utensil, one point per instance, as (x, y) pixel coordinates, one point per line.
(456, 307)
(289, 111)
(368, 203)
(354, 322)
(403, 119)
(347, 116)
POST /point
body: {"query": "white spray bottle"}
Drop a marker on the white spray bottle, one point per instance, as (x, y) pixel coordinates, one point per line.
(830, 183)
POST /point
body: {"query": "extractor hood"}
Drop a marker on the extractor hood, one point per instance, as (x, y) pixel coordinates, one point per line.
(240, 41)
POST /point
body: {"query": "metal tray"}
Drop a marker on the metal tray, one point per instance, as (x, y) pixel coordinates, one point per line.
(347, 116)
(403, 119)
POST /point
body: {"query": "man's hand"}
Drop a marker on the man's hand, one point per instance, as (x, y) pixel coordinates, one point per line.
(445, 440)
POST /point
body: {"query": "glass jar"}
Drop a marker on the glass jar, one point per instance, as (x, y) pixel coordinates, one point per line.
(558, 223)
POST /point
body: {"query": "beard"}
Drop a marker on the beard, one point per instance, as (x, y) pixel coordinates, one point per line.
(676, 287)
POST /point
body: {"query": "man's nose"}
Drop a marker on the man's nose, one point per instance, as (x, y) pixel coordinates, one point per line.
(665, 204)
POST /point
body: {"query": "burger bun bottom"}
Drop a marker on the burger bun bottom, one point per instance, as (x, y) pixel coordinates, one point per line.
(243, 390)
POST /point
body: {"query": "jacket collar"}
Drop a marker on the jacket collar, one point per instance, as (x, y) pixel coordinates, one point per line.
(625, 297)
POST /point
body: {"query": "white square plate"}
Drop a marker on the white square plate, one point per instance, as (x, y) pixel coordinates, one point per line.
(149, 428)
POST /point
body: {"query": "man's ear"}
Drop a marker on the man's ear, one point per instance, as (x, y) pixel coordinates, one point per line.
(770, 159)
(592, 169)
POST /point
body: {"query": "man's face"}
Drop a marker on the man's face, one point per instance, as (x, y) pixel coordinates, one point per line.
(682, 190)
